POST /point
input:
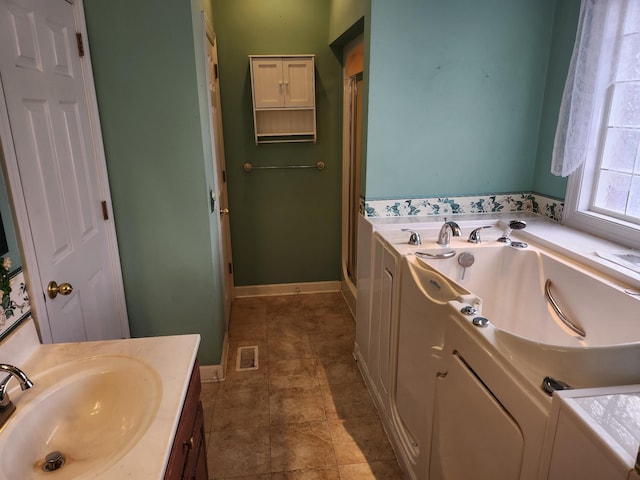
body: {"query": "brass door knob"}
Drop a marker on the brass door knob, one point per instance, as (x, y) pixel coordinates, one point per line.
(53, 289)
(224, 211)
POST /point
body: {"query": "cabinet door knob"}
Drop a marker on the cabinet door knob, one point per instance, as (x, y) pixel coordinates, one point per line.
(189, 443)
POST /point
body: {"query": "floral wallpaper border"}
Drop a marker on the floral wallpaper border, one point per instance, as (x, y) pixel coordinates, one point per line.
(512, 202)
(19, 306)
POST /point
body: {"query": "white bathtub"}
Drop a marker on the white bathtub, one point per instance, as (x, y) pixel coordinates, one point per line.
(509, 284)
(448, 378)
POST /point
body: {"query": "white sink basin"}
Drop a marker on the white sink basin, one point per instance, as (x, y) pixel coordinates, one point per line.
(91, 410)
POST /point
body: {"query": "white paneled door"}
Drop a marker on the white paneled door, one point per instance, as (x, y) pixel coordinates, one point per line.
(54, 145)
(220, 170)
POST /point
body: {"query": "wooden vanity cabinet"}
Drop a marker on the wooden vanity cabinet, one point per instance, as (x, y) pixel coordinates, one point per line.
(188, 458)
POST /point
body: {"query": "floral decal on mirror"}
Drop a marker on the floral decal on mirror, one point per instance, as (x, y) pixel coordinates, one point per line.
(5, 284)
(14, 298)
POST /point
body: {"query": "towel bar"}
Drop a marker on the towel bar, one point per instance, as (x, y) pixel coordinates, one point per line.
(247, 167)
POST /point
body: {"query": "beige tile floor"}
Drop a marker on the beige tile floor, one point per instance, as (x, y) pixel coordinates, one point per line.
(305, 413)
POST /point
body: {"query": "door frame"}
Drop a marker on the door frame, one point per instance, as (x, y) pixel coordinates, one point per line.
(349, 289)
(18, 201)
(218, 159)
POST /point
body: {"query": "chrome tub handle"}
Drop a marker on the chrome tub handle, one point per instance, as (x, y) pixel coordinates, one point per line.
(448, 254)
(556, 308)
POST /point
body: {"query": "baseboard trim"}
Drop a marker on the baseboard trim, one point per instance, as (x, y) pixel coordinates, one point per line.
(216, 373)
(349, 294)
(286, 289)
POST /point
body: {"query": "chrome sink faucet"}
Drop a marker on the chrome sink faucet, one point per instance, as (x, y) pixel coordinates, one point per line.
(6, 405)
(448, 229)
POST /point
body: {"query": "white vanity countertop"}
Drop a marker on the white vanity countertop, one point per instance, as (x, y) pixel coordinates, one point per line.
(172, 357)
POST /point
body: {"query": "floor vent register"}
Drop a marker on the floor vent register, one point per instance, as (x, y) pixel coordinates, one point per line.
(247, 358)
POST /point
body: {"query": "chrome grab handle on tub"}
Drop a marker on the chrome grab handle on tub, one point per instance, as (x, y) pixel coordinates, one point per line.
(448, 254)
(556, 308)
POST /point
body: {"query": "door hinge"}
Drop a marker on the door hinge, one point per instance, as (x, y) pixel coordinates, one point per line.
(212, 200)
(105, 211)
(215, 71)
(80, 44)
(230, 268)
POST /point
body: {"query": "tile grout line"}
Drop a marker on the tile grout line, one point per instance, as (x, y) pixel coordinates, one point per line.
(316, 365)
(318, 362)
(268, 378)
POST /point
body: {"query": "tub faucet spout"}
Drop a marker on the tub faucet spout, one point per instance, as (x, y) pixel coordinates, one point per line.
(448, 229)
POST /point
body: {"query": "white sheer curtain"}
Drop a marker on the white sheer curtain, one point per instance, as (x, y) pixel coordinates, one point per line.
(589, 70)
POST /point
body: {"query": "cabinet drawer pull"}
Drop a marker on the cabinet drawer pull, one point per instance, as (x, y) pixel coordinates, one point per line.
(189, 443)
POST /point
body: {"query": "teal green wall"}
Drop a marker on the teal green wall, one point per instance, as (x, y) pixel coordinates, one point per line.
(150, 100)
(462, 99)
(365, 102)
(343, 14)
(285, 224)
(455, 95)
(564, 32)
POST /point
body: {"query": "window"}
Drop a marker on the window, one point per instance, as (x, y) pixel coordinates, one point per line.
(603, 195)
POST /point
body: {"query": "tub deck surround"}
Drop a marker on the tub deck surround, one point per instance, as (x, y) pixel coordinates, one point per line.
(171, 357)
(602, 426)
(579, 246)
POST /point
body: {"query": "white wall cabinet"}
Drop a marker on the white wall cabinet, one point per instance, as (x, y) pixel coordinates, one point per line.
(284, 103)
